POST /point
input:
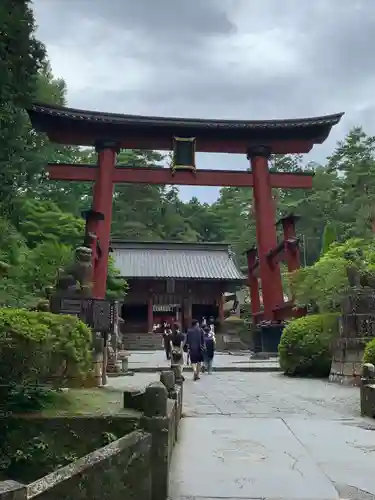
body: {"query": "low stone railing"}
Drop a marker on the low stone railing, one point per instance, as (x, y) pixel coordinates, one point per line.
(136, 466)
(368, 390)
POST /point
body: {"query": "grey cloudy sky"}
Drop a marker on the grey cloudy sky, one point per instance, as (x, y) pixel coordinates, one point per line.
(245, 59)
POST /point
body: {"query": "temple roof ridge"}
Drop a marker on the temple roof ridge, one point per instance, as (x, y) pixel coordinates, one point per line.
(171, 245)
(177, 260)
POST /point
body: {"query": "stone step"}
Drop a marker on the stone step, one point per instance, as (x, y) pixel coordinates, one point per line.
(142, 341)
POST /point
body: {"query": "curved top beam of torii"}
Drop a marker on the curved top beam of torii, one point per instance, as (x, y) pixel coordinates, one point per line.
(81, 127)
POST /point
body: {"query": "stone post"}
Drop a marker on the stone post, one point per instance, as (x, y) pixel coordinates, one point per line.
(156, 422)
(368, 390)
(168, 378)
(368, 373)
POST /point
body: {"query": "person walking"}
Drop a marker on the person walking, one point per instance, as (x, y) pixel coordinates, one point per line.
(209, 351)
(177, 341)
(166, 332)
(186, 351)
(195, 343)
(211, 324)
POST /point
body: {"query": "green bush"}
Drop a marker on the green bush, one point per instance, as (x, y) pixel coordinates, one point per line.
(35, 346)
(27, 398)
(305, 345)
(369, 354)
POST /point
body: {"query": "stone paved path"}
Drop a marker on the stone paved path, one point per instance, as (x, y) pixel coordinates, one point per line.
(153, 360)
(261, 435)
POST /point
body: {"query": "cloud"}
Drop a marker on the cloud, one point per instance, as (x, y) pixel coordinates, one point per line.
(216, 58)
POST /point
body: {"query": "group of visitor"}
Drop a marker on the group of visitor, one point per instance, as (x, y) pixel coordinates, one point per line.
(198, 344)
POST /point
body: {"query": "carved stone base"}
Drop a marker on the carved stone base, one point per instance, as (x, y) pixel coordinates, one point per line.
(347, 367)
(339, 378)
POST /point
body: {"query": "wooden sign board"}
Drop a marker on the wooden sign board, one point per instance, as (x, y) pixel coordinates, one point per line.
(183, 153)
(99, 314)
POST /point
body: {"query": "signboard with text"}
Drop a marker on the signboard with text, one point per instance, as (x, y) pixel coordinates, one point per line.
(98, 314)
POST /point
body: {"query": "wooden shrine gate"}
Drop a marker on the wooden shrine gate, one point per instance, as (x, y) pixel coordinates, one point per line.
(109, 132)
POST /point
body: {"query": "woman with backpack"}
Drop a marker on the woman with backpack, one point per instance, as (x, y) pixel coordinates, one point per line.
(209, 349)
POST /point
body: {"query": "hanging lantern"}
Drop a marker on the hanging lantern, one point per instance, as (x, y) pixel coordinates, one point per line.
(183, 153)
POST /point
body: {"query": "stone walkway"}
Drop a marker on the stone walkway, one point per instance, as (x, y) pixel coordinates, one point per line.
(261, 435)
(155, 360)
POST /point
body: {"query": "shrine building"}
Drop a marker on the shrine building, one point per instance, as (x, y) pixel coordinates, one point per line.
(174, 281)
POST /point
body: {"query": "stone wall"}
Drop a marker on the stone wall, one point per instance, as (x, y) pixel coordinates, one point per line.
(62, 438)
(346, 365)
(134, 466)
(111, 472)
(356, 329)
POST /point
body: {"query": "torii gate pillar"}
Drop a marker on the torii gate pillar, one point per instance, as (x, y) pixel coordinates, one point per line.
(102, 202)
(253, 281)
(272, 290)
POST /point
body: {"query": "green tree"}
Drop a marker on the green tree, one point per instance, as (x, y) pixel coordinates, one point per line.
(315, 207)
(21, 56)
(69, 196)
(234, 210)
(41, 266)
(329, 237)
(203, 220)
(325, 283)
(12, 243)
(174, 225)
(116, 286)
(42, 221)
(353, 162)
(137, 207)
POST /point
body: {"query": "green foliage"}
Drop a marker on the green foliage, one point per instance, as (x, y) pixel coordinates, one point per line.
(116, 286)
(369, 354)
(33, 459)
(325, 283)
(233, 219)
(25, 282)
(21, 56)
(305, 345)
(329, 237)
(36, 347)
(40, 268)
(25, 398)
(44, 221)
(12, 244)
(353, 163)
(28, 454)
(36, 269)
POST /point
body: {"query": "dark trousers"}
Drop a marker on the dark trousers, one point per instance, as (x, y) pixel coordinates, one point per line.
(167, 348)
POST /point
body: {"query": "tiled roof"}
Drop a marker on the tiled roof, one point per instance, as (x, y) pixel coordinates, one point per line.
(175, 260)
(63, 112)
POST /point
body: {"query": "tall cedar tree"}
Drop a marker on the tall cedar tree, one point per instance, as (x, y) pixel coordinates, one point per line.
(21, 56)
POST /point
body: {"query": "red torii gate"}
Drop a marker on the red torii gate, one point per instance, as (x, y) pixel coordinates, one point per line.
(109, 132)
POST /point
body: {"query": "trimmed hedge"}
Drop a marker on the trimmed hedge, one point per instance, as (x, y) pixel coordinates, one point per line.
(369, 354)
(305, 345)
(37, 347)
